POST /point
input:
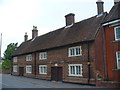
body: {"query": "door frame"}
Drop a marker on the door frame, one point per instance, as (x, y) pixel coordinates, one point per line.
(21, 71)
(57, 73)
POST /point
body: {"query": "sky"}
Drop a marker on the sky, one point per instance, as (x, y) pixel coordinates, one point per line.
(19, 16)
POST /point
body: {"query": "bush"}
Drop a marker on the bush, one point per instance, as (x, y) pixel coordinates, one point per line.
(99, 76)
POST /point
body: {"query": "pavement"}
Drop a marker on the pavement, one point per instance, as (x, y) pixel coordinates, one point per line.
(10, 81)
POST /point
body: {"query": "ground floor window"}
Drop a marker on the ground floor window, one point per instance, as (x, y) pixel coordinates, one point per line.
(42, 69)
(15, 68)
(29, 69)
(75, 69)
(118, 59)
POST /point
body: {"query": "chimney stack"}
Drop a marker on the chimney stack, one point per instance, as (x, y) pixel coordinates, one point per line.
(70, 19)
(116, 1)
(100, 8)
(25, 37)
(34, 32)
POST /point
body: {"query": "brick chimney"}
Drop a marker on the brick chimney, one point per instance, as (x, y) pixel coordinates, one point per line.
(34, 32)
(116, 1)
(70, 19)
(100, 8)
(25, 37)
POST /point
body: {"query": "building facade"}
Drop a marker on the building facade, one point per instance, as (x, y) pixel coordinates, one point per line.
(79, 52)
(111, 30)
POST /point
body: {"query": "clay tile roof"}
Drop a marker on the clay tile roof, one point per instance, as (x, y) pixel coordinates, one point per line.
(81, 31)
(113, 14)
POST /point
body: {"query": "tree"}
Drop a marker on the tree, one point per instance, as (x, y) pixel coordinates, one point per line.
(10, 49)
(6, 64)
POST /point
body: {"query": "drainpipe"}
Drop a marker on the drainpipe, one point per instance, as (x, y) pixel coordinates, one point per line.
(88, 64)
(35, 65)
(104, 53)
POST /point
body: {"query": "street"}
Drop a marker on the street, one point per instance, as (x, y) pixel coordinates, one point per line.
(9, 81)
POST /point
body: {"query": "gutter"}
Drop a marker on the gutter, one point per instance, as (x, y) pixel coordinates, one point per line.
(111, 22)
(88, 64)
(52, 48)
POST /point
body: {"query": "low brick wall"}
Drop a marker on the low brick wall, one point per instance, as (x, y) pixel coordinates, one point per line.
(6, 71)
(109, 84)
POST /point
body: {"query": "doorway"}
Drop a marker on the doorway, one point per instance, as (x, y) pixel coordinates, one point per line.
(21, 71)
(56, 73)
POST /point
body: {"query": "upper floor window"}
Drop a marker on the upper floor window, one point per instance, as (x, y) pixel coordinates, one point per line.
(118, 59)
(43, 55)
(15, 68)
(42, 69)
(29, 57)
(117, 33)
(29, 69)
(75, 51)
(75, 69)
(15, 59)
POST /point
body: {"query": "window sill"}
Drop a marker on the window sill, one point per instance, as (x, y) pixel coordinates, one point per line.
(115, 41)
(75, 75)
(42, 73)
(115, 69)
(75, 56)
(42, 59)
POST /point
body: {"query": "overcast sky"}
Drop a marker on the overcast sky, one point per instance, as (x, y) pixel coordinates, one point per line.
(19, 16)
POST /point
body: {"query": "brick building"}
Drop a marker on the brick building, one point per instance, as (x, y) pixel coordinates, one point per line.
(111, 26)
(72, 53)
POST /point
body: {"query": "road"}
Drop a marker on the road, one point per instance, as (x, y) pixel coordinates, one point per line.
(10, 81)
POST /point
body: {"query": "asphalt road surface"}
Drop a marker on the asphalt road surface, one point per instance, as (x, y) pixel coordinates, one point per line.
(10, 81)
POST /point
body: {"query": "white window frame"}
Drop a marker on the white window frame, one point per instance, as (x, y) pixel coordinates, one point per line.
(75, 54)
(118, 59)
(14, 68)
(115, 33)
(28, 67)
(44, 54)
(42, 71)
(70, 73)
(15, 59)
(29, 57)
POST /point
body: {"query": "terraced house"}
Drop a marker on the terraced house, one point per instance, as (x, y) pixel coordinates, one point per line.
(72, 53)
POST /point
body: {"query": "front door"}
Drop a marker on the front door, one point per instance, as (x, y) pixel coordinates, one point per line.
(56, 73)
(21, 71)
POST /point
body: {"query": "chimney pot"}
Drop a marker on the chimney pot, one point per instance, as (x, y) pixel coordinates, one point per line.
(34, 32)
(70, 19)
(25, 37)
(116, 1)
(100, 8)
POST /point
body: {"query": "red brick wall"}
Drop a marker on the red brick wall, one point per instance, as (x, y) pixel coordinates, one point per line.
(111, 48)
(22, 63)
(60, 56)
(99, 53)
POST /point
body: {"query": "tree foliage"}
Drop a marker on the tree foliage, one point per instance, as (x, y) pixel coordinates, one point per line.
(6, 64)
(10, 49)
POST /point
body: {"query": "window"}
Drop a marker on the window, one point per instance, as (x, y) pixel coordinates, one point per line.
(29, 57)
(28, 69)
(42, 69)
(75, 69)
(117, 33)
(15, 59)
(43, 55)
(15, 68)
(118, 59)
(75, 51)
